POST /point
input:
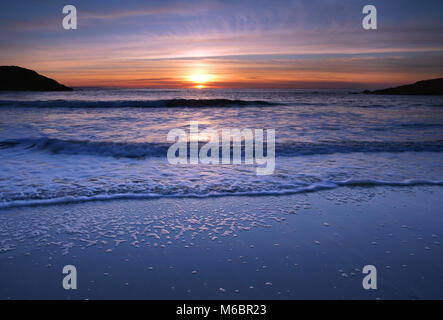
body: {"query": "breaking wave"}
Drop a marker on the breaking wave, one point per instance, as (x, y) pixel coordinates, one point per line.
(152, 149)
(166, 103)
(319, 186)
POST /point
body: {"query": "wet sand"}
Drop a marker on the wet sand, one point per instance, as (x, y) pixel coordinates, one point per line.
(302, 246)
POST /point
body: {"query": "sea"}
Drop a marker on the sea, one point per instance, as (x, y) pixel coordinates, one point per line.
(106, 143)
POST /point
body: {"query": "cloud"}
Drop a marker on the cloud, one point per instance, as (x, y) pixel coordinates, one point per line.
(242, 42)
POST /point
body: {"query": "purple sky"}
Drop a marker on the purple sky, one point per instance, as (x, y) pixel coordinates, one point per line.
(257, 43)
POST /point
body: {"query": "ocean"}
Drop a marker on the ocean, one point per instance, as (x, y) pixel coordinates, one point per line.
(357, 182)
(111, 143)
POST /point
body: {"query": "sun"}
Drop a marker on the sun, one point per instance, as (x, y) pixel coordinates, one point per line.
(200, 79)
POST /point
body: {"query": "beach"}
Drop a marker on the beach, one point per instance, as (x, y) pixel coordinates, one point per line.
(302, 246)
(356, 180)
(221, 157)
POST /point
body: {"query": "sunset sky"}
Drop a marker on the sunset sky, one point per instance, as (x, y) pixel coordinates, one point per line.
(242, 44)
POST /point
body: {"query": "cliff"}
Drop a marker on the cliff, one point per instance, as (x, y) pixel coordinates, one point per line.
(426, 87)
(13, 78)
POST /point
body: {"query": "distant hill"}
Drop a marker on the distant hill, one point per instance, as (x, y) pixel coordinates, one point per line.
(13, 78)
(426, 87)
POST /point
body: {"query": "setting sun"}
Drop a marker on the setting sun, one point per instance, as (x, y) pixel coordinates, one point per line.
(200, 79)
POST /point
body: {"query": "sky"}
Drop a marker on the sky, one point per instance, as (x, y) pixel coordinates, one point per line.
(225, 44)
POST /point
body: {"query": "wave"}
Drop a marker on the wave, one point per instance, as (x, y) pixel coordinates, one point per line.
(308, 148)
(411, 126)
(420, 125)
(153, 149)
(87, 147)
(167, 103)
(319, 186)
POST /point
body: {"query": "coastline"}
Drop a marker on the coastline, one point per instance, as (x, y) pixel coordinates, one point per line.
(301, 246)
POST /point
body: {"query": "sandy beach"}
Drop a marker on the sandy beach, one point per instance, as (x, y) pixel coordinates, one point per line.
(221, 158)
(303, 246)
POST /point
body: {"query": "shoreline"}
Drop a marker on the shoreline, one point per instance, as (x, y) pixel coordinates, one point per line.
(302, 246)
(315, 187)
